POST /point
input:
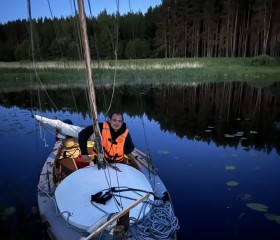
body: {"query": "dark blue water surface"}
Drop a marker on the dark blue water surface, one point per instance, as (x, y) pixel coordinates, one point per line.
(193, 167)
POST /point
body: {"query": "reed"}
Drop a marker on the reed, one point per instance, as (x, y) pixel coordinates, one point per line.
(177, 70)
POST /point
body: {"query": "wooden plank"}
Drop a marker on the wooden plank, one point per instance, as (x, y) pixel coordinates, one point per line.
(143, 154)
(115, 218)
(145, 163)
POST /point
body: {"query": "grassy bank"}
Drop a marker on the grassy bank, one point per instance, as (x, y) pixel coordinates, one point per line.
(178, 70)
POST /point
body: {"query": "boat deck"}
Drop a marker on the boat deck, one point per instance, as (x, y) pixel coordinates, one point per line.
(56, 225)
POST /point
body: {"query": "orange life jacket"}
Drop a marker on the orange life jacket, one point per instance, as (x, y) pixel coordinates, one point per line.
(113, 149)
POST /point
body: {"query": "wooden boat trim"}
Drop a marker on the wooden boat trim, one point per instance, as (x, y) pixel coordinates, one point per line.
(143, 162)
(116, 217)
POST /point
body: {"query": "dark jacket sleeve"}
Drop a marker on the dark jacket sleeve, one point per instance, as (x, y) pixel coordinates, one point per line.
(83, 138)
(128, 145)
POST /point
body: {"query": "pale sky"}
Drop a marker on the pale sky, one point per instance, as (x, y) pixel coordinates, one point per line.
(11, 10)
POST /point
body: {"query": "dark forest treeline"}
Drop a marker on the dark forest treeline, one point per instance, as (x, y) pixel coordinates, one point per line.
(176, 28)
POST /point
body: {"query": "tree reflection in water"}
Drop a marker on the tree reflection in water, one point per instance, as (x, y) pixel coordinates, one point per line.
(231, 124)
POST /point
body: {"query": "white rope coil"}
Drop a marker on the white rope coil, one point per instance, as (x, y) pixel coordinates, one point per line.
(160, 223)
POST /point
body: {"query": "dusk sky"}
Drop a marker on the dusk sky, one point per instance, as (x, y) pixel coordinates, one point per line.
(11, 10)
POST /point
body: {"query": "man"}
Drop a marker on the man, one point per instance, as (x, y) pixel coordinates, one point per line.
(116, 139)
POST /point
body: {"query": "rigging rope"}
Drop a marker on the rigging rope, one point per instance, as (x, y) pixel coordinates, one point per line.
(160, 223)
(115, 49)
(55, 30)
(33, 54)
(42, 133)
(149, 156)
(98, 60)
(107, 108)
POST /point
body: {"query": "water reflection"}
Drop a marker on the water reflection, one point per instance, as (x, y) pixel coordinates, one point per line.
(215, 146)
(228, 114)
(225, 113)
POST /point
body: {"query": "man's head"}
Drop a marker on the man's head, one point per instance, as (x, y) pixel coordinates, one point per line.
(116, 121)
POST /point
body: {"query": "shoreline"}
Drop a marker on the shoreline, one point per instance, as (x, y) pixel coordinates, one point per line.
(111, 65)
(143, 71)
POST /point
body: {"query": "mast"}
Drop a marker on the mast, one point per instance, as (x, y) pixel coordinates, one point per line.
(91, 91)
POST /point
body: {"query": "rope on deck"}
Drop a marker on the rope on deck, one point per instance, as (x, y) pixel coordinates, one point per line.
(160, 223)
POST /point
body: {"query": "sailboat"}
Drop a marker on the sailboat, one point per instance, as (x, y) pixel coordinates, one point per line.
(100, 201)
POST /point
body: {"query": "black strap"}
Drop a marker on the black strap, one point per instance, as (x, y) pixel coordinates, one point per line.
(112, 157)
(101, 198)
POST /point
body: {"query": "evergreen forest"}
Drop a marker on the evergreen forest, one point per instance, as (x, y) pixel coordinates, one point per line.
(175, 28)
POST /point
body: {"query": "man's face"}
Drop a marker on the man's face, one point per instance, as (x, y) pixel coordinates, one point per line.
(116, 122)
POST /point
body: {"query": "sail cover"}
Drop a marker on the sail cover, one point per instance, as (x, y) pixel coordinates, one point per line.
(73, 195)
(65, 128)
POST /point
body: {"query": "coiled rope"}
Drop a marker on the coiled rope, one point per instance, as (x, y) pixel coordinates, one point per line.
(160, 223)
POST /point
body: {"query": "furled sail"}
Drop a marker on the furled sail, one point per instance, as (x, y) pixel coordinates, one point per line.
(65, 128)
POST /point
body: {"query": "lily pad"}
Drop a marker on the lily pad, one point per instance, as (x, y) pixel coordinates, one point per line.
(8, 211)
(229, 135)
(230, 167)
(239, 134)
(246, 197)
(277, 219)
(270, 216)
(257, 207)
(232, 183)
(163, 151)
(253, 132)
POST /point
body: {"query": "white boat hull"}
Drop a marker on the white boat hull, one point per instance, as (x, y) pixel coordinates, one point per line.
(67, 210)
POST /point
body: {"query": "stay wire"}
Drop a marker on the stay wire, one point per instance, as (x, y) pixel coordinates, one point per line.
(109, 182)
(79, 46)
(106, 170)
(60, 47)
(98, 60)
(55, 30)
(42, 133)
(33, 54)
(78, 35)
(115, 50)
(149, 156)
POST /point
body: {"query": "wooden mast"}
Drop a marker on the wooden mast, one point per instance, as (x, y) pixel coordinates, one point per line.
(91, 92)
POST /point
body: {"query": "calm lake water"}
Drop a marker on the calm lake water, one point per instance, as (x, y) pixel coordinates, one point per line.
(216, 146)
